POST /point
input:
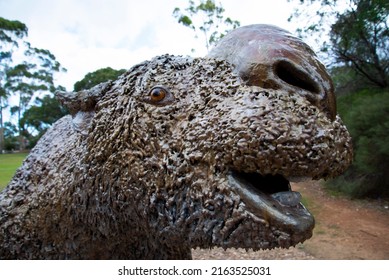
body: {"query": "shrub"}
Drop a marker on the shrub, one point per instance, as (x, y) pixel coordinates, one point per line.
(366, 115)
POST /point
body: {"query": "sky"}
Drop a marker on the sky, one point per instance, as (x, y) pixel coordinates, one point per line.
(87, 35)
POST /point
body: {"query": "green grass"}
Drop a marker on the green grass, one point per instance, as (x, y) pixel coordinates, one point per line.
(8, 165)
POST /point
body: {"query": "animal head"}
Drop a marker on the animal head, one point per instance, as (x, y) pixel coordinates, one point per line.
(199, 152)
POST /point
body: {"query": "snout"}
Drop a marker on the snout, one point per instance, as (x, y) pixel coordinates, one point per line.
(271, 58)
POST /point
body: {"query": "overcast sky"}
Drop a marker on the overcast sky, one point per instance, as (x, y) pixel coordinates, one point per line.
(86, 35)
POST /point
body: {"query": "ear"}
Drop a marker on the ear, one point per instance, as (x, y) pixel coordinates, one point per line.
(81, 105)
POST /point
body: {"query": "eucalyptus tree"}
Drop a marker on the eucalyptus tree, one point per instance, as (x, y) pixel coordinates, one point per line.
(357, 34)
(206, 17)
(31, 75)
(99, 76)
(11, 32)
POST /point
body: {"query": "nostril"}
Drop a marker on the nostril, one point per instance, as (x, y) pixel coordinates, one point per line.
(294, 76)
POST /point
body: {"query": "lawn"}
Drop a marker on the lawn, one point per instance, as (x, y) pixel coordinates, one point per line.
(8, 165)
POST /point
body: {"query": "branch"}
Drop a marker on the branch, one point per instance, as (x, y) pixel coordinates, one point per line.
(360, 68)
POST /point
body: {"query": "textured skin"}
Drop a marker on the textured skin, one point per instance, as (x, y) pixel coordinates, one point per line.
(126, 177)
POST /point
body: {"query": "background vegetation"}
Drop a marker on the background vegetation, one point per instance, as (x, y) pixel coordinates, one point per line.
(205, 17)
(366, 115)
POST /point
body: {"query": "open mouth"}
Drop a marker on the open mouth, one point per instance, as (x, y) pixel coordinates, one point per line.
(275, 186)
(271, 197)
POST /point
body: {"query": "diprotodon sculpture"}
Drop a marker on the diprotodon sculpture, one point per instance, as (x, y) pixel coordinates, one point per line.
(180, 153)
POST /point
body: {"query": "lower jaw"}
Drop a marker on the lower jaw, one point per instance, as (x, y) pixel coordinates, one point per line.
(282, 212)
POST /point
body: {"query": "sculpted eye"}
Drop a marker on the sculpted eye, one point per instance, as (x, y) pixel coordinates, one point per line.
(159, 96)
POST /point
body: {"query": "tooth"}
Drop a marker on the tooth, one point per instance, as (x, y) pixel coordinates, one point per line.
(287, 198)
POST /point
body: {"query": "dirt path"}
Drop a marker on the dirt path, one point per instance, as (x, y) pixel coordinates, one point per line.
(345, 229)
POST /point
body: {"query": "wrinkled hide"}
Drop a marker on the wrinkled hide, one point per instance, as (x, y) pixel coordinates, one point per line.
(177, 153)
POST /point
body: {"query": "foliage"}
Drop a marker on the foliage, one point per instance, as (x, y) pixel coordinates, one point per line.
(39, 117)
(18, 28)
(361, 38)
(358, 34)
(33, 74)
(366, 115)
(10, 33)
(11, 141)
(99, 76)
(27, 79)
(43, 114)
(207, 17)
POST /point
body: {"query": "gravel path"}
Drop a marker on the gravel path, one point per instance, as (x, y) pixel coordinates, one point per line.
(240, 254)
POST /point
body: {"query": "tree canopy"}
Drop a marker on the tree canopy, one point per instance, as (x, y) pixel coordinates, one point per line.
(206, 16)
(358, 34)
(32, 73)
(10, 30)
(99, 76)
(40, 116)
